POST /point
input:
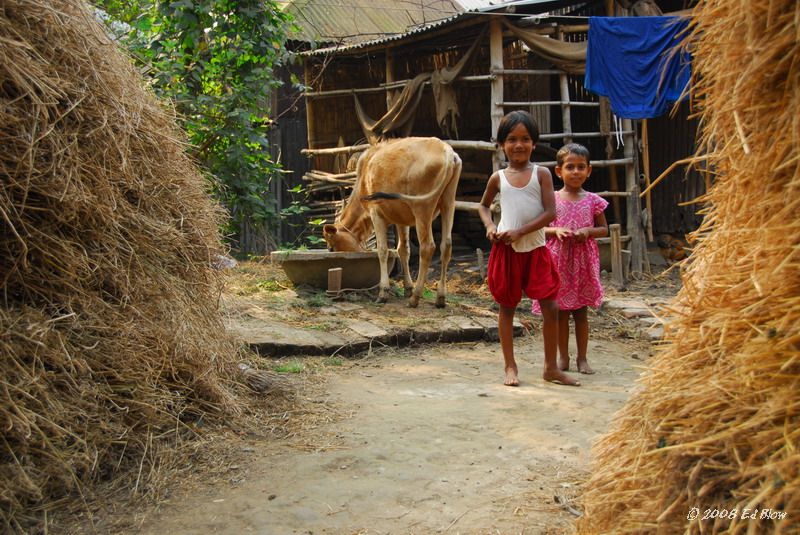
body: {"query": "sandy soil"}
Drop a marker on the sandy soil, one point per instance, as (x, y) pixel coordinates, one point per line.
(419, 440)
(430, 441)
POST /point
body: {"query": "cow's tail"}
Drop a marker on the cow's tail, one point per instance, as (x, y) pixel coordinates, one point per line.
(377, 196)
(383, 195)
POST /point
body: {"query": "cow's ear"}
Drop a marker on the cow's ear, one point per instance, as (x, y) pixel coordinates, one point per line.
(329, 229)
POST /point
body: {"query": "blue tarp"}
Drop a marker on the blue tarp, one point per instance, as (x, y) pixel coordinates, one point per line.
(635, 63)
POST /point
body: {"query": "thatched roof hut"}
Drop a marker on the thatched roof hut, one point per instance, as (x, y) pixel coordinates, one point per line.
(516, 55)
(324, 24)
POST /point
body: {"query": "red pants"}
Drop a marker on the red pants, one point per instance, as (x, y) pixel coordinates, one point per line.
(510, 273)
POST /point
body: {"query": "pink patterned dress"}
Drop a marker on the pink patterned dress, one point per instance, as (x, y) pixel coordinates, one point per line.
(578, 263)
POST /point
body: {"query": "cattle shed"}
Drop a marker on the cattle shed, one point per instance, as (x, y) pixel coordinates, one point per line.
(455, 79)
(324, 23)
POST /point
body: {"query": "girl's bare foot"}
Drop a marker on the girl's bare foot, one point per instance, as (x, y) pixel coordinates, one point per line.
(511, 377)
(563, 363)
(583, 366)
(560, 378)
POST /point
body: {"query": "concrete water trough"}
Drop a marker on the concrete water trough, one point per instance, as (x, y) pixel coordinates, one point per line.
(359, 269)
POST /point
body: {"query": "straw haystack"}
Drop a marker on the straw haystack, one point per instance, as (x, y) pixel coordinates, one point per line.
(715, 425)
(110, 334)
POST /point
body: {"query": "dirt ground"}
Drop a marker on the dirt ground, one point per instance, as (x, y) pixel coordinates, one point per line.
(418, 440)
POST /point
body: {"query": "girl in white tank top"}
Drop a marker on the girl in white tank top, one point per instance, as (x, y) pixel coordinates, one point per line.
(519, 262)
(520, 206)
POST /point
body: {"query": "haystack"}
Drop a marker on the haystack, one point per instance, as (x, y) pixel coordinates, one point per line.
(715, 425)
(111, 339)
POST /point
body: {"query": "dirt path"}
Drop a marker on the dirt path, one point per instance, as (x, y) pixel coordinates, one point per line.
(431, 442)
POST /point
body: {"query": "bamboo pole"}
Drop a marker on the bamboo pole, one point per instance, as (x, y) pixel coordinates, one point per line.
(390, 93)
(383, 87)
(527, 71)
(614, 183)
(496, 63)
(467, 206)
(566, 115)
(335, 150)
(612, 172)
(456, 144)
(613, 194)
(310, 122)
(616, 254)
(648, 201)
(557, 135)
(562, 103)
(477, 145)
(633, 209)
(322, 175)
(468, 144)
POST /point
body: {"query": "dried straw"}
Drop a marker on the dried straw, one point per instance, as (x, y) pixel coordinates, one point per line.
(716, 422)
(110, 334)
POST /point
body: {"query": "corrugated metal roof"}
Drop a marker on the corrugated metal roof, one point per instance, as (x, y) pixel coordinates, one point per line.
(518, 6)
(354, 21)
(472, 5)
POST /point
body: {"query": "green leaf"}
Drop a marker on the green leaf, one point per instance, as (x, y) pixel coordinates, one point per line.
(215, 60)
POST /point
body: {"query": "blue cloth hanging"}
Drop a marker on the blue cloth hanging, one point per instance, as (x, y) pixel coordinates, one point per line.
(631, 61)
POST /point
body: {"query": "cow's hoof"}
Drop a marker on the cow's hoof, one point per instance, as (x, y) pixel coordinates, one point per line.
(440, 302)
(413, 302)
(408, 291)
(381, 299)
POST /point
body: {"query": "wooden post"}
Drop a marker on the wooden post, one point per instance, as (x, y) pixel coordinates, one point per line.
(310, 107)
(566, 116)
(481, 265)
(634, 211)
(616, 254)
(495, 64)
(389, 78)
(334, 282)
(646, 169)
(614, 184)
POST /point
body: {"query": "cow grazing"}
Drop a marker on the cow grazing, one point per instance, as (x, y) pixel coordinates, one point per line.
(405, 182)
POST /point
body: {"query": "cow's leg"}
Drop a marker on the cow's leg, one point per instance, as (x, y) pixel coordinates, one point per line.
(426, 249)
(381, 240)
(446, 249)
(448, 211)
(404, 253)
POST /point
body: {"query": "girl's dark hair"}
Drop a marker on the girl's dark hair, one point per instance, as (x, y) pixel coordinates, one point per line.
(512, 119)
(572, 148)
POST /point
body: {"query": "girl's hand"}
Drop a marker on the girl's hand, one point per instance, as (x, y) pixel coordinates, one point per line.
(581, 235)
(509, 236)
(491, 233)
(562, 233)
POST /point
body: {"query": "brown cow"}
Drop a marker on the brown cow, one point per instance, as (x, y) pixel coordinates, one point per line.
(405, 182)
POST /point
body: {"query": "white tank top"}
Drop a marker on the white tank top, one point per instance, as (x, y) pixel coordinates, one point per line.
(520, 206)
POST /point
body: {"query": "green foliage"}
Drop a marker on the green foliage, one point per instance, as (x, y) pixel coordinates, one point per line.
(214, 59)
(270, 285)
(300, 207)
(293, 366)
(318, 300)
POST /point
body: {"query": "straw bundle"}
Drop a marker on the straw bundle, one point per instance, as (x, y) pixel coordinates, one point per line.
(110, 333)
(716, 423)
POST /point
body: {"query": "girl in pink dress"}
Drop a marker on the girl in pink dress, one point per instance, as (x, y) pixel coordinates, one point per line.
(571, 241)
